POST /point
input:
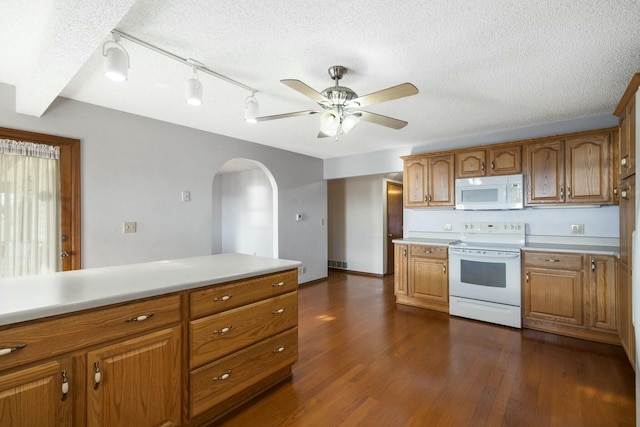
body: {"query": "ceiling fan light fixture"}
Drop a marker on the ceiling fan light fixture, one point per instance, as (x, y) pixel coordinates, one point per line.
(194, 90)
(116, 63)
(349, 122)
(251, 109)
(330, 122)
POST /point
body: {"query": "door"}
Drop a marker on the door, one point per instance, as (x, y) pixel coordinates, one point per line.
(394, 220)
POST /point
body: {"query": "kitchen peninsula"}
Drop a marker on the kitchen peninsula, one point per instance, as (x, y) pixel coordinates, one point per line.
(176, 342)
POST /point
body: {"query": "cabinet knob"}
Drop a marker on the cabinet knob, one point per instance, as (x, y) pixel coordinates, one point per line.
(278, 311)
(140, 318)
(223, 298)
(7, 350)
(593, 264)
(279, 349)
(223, 376)
(65, 386)
(97, 375)
(278, 285)
(223, 330)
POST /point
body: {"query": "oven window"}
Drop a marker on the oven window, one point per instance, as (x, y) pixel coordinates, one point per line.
(484, 273)
(480, 195)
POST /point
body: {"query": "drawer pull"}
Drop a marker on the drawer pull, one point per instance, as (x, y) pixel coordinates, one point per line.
(65, 386)
(223, 330)
(139, 318)
(278, 285)
(278, 311)
(223, 376)
(5, 351)
(426, 251)
(223, 298)
(552, 260)
(279, 349)
(97, 376)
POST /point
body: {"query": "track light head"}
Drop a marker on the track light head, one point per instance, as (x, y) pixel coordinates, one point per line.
(194, 92)
(251, 109)
(116, 64)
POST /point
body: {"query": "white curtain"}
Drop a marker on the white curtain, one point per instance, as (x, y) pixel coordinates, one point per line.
(29, 208)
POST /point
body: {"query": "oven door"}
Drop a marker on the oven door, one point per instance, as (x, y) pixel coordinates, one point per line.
(485, 275)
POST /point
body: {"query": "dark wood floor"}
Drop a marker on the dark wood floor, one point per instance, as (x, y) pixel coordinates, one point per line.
(363, 361)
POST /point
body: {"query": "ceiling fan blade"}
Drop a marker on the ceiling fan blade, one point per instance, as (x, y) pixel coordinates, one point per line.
(306, 90)
(322, 135)
(388, 94)
(285, 115)
(379, 119)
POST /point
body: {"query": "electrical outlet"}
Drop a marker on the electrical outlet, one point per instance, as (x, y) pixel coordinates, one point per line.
(302, 270)
(128, 227)
(447, 227)
(577, 228)
(186, 196)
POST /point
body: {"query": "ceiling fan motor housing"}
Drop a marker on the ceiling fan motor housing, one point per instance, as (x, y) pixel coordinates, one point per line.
(339, 95)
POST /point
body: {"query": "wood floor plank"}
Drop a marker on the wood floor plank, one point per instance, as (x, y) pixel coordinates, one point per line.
(365, 361)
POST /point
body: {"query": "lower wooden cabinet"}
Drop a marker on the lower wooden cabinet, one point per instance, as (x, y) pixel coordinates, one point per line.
(35, 396)
(400, 269)
(181, 359)
(571, 294)
(426, 281)
(136, 382)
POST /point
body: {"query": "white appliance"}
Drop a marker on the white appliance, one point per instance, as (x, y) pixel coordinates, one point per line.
(485, 273)
(490, 193)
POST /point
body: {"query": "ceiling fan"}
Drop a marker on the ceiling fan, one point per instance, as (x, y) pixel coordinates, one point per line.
(341, 105)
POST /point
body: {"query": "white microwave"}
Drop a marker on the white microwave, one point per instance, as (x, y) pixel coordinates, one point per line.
(490, 193)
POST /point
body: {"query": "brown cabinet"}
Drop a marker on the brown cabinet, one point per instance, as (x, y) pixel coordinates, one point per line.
(627, 197)
(136, 381)
(576, 170)
(401, 269)
(626, 112)
(429, 181)
(502, 160)
(34, 396)
(427, 279)
(571, 294)
(242, 340)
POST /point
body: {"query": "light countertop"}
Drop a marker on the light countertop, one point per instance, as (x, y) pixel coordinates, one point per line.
(33, 297)
(425, 241)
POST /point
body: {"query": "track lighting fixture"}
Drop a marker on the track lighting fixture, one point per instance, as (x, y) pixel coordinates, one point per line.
(194, 90)
(251, 108)
(116, 64)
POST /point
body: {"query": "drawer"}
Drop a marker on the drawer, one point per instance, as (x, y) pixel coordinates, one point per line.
(215, 299)
(553, 260)
(439, 252)
(221, 380)
(220, 334)
(56, 335)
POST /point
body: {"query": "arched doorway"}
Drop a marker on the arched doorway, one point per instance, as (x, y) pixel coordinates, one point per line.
(245, 209)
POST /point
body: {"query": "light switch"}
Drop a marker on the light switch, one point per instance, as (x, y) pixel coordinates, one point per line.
(186, 196)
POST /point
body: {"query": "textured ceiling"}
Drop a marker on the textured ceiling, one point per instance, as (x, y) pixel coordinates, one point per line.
(480, 66)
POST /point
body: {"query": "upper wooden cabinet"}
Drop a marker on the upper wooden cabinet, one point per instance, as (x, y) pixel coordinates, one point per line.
(626, 111)
(577, 170)
(505, 160)
(544, 168)
(429, 181)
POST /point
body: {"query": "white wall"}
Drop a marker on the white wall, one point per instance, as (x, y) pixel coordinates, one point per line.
(357, 223)
(134, 169)
(246, 202)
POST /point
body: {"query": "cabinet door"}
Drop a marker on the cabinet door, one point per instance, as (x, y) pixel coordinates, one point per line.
(553, 295)
(441, 181)
(602, 293)
(34, 396)
(627, 150)
(136, 382)
(544, 166)
(627, 332)
(470, 163)
(429, 280)
(400, 269)
(589, 170)
(415, 183)
(627, 217)
(505, 160)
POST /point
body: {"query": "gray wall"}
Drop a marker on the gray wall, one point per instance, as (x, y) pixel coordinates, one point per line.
(134, 169)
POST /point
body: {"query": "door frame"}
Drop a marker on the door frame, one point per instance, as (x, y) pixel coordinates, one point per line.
(69, 189)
